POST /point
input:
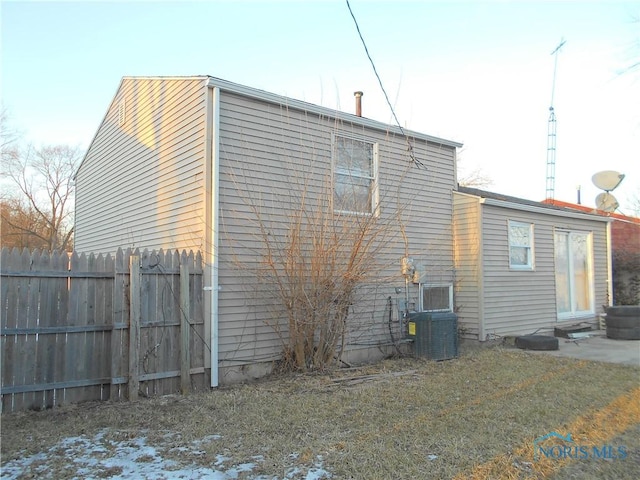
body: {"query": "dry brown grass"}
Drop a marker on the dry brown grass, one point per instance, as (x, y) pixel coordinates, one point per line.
(402, 418)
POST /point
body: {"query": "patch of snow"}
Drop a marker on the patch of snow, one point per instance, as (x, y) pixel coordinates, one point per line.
(314, 473)
(133, 458)
(220, 459)
(15, 468)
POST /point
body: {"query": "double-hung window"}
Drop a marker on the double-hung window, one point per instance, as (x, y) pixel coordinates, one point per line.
(574, 275)
(355, 175)
(521, 246)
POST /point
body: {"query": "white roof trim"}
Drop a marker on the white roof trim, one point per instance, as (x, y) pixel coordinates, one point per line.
(310, 107)
(543, 210)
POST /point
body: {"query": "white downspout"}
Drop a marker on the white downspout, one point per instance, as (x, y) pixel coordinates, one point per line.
(215, 183)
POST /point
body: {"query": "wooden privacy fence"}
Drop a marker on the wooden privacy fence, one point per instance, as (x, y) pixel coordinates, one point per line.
(80, 327)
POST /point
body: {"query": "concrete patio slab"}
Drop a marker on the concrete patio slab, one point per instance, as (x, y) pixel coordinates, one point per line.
(597, 347)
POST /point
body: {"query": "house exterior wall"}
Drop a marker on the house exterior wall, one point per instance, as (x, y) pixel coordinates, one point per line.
(467, 235)
(523, 302)
(149, 182)
(141, 183)
(269, 155)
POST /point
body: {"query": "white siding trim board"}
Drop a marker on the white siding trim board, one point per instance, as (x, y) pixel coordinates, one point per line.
(482, 331)
(609, 266)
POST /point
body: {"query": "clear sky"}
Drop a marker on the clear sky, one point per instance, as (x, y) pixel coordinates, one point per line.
(477, 72)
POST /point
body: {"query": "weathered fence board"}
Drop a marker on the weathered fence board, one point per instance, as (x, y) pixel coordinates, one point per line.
(83, 327)
(185, 359)
(135, 287)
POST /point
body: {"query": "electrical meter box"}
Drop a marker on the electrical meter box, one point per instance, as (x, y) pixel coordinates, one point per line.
(434, 334)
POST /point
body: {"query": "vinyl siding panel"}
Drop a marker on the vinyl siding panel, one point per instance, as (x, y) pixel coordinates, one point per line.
(141, 183)
(468, 262)
(524, 302)
(269, 155)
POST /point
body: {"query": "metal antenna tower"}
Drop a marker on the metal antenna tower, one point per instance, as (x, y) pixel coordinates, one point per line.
(551, 133)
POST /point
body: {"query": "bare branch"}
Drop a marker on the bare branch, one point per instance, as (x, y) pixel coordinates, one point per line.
(40, 205)
(312, 264)
(474, 178)
(8, 135)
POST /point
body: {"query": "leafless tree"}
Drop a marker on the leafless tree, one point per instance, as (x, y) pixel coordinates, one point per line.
(633, 66)
(18, 223)
(37, 208)
(475, 178)
(8, 135)
(634, 203)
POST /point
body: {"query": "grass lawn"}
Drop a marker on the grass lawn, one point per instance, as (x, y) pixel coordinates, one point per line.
(473, 417)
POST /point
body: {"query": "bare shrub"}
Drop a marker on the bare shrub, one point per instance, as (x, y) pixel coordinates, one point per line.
(314, 254)
(313, 272)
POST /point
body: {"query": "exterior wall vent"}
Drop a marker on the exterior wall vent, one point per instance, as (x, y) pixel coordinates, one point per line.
(121, 113)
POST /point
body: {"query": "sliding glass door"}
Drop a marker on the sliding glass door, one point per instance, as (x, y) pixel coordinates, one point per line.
(574, 275)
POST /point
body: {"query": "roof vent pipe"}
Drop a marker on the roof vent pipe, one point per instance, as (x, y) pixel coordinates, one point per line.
(358, 96)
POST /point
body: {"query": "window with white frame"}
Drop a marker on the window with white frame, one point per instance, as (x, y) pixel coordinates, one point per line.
(574, 273)
(521, 245)
(355, 172)
(436, 297)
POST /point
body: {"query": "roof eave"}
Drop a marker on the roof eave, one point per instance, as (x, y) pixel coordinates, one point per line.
(251, 92)
(544, 210)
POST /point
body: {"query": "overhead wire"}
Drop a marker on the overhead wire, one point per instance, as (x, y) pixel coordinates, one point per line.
(375, 71)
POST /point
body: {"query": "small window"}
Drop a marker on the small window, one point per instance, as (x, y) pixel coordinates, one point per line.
(436, 297)
(520, 245)
(355, 171)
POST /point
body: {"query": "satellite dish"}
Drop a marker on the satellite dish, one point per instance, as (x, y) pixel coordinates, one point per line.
(607, 202)
(607, 180)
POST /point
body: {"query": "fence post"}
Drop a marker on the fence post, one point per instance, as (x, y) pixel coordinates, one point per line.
(185, 364)
(134, 325)
(118, 295)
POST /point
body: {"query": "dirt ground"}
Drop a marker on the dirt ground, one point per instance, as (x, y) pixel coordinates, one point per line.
(483, 415)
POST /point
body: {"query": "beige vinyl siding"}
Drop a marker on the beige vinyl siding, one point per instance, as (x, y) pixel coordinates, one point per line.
(143, 184)
(468, 261)
(268, 154)
(521, 302)
(149, 171)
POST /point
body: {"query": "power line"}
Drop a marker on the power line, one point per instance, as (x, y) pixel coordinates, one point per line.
(375, 71)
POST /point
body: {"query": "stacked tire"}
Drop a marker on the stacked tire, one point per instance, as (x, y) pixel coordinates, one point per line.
(623, 322)
(537, 342)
